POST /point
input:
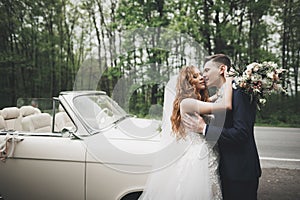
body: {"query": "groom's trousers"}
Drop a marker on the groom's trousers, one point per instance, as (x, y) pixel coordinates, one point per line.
(240, 190)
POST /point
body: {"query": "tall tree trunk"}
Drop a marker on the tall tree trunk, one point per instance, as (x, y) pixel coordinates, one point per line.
(238, 56)
(284, 40)
(206, 30)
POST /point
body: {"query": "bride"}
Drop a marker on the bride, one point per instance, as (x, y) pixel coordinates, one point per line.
(194, 175)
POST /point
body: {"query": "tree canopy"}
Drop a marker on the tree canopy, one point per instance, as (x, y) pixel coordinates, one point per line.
(117, 45)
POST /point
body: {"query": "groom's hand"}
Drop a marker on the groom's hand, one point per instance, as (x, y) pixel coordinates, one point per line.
(193, 124)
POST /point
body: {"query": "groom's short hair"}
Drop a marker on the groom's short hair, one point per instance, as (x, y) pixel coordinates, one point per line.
(219, 58)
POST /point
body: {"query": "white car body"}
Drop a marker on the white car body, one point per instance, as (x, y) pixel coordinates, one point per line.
(56, 165)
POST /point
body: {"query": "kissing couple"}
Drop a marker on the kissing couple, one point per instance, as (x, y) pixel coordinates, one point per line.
(221, 161)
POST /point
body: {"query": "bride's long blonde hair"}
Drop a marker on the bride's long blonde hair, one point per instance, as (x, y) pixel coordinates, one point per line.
(185, 89)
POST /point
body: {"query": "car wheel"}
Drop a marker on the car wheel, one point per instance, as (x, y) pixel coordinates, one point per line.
(132, 196)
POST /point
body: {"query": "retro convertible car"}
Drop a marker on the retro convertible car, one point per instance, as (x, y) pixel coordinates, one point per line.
(89, 148)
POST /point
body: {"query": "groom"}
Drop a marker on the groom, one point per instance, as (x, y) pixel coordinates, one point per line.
(239, 162)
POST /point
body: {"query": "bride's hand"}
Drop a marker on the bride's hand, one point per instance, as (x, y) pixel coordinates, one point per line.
(228, 88)
(213, 98)
(228, 74)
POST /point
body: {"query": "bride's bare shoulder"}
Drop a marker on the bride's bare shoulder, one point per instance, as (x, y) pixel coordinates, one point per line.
(189, 105)
(188, 101)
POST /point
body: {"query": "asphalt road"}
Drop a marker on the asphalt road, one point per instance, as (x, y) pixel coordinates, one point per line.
(278, 147)
(279, 150)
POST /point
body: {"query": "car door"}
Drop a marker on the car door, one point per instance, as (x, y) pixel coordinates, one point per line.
(44, 167)
(114, 169)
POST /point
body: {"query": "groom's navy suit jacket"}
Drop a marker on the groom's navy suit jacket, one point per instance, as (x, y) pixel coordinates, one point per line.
(238, 153)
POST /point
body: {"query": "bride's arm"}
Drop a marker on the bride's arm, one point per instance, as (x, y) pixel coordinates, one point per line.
(213, 98)
(190, 105)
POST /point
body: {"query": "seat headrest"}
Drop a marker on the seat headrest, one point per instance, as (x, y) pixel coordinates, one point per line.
(10, 113)
(29, 110)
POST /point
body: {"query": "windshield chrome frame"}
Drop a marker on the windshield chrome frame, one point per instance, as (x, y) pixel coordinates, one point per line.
(92, 130)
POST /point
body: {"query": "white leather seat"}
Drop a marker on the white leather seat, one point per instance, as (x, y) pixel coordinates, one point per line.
(37, 123)
(29, 110)
(62, 120)
(12, 118)
(2, 123)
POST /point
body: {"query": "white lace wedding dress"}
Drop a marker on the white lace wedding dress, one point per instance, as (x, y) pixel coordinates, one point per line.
(193, 175)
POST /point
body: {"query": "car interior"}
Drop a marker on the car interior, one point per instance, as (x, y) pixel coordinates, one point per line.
(31, 119)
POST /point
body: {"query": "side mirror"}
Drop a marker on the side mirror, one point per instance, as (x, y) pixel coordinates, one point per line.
(67, 132)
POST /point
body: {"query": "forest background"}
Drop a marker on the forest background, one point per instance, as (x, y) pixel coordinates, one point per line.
(45, 43)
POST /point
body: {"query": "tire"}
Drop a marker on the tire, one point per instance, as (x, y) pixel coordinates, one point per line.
(132, 196)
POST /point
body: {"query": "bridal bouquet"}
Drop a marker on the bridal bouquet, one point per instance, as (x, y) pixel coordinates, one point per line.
(260, 79)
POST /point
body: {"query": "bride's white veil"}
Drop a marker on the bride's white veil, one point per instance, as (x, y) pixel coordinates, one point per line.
(169, 97)
(170, 148)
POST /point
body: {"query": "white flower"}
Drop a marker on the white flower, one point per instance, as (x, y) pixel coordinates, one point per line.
(270, 75)
(234, 86)
(262, 101)
(256, 67)
(248, 73)
(256, 91)
(250, 66)
(279, 71)
(266, 83)
(256, 77)
(272, 64)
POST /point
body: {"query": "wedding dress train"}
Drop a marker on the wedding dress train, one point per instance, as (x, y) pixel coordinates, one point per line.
(194, 176)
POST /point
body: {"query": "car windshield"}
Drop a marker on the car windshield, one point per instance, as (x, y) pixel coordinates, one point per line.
(98, 110)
